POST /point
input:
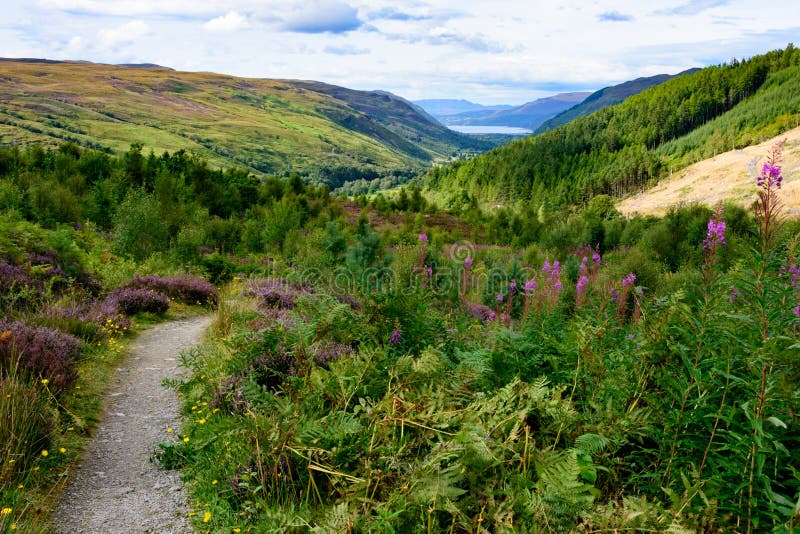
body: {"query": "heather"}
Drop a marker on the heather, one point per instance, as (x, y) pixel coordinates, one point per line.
(47, 355)
(130, 301)
(186, 289)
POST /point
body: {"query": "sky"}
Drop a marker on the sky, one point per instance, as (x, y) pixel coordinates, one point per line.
(485, 51)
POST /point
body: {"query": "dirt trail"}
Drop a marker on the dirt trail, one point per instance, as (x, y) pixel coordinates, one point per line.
(117, 489)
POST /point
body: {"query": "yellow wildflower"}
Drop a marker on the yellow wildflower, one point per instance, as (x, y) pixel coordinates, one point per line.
(201, 421)
(45, 381)
(237, 529)
(12, 526)
(186, 439)
(5, 511)
(213, 482)
(62, 450)
(45, 453)
(169, 430)
(206, 517)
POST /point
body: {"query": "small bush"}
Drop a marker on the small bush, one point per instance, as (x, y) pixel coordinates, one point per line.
(44, 352)
(186, 289)
(130, 301)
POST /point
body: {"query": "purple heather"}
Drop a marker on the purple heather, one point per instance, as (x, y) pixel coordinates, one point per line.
(468, 262)
(396, 337)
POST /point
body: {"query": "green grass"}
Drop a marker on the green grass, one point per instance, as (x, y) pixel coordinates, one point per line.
(264, 125)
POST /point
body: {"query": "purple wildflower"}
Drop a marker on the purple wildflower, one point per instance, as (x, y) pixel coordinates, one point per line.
(558, 286)
(468, 262)
(500, 297)
(629, 280)
(596, 257)
(512, 287)
(794, 275)
(584, 265)
(770, 177)
(423, 237)
(734, 293)
(531, 285)
(583, 281)
(631, 336)
(491, 317)
(614, 295)
(796, 310)
(396, 337)
(715, 236)
(546, 267)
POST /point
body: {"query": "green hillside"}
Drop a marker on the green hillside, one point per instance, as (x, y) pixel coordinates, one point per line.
(622, 148)
(608, 96)
(266, 126)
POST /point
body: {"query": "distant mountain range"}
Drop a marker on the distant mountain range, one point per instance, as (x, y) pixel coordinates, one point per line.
(529, 115)
(608, 96)
(444, 107)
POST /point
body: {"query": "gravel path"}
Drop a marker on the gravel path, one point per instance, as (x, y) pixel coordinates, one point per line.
(117, 489)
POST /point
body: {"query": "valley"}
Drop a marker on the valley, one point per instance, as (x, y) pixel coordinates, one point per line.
(594, 328)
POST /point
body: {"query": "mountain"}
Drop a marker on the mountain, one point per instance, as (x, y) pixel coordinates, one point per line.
(443, 107)
(608, 96)
(529, 115)
(624, 148)
(266, 126)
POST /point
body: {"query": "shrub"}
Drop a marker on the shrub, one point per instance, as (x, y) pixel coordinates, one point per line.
(129, 301)
(186, 289)
(44, 352)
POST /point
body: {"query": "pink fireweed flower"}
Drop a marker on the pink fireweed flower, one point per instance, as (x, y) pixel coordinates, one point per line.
(500, 297)
(770, 177)
(584, 265)
(531, 285)
(794, 276)
(715, 236)
(558, 286)
(796, 310)
(423, 237)
(546, 267)
(583, 281)
(596, 258)
(468, 262)
(492, 316)
(512, 287)
(629, 280)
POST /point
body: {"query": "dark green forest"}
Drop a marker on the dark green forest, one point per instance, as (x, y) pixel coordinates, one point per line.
(623, 148)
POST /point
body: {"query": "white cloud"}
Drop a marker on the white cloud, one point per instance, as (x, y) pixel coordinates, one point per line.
(229, 22)
(127, 33)
(323, 16)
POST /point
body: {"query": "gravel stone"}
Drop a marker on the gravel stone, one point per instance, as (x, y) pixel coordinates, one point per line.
(117, 488)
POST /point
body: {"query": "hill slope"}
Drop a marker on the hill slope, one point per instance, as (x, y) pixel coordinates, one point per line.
(608, 96)
(726, 177)
(268, 126)
(529, 115)
(622, 148)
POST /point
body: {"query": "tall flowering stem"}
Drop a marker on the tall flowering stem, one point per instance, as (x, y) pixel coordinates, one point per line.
(768, 207)
(715, 238)
(465, 279)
